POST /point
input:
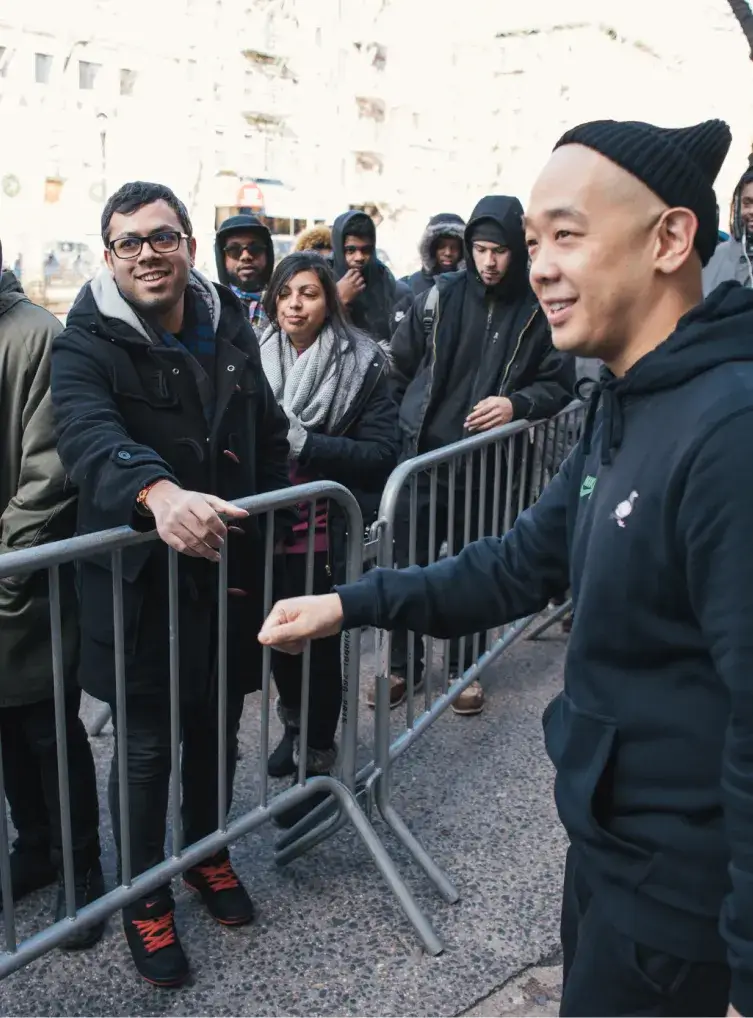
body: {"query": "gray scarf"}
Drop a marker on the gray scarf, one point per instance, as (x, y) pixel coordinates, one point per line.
(315, 389)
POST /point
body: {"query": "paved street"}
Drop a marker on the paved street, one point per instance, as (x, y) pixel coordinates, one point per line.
(330, 939)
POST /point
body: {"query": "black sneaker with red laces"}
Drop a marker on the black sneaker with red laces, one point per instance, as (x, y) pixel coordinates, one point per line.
(221, 891)
(149, 926)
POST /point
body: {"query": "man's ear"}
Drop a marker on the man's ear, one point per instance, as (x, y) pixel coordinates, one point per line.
(192, 250)
(108, 261)
(675, 239)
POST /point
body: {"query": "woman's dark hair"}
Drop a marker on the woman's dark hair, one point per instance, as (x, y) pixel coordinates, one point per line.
(736, 224)
(134, 195)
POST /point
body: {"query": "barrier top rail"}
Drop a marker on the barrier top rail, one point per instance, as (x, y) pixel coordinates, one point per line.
(44, 556)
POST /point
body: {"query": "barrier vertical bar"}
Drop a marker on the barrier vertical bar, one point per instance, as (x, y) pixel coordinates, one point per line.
(266, 657)
(451, 481)
(222, 688)
(522, 478)
(431, 556)
(9, 908)
(174, 630)
(481, 525)
(466, 541)
(58, 687)
(410, 670)
(121, 718)
(306, 662)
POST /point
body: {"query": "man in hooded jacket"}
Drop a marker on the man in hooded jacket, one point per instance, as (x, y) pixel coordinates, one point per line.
(441, 250)
(367, 287)
(38, 505)
(733, 258)
(487, 360)
(245, 258)
(649, 521)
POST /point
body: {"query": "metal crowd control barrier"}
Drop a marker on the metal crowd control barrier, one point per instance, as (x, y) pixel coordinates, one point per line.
(525, 457)
(342, 788)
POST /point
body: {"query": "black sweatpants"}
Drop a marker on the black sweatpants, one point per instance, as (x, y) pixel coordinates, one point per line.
(606, 973)
(399, 653)
(31, 780)
(325, 689)
(148, 737)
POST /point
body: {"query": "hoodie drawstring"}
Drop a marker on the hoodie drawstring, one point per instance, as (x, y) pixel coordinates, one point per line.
(612, 422)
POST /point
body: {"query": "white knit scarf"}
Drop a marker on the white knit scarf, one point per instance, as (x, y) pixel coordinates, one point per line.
(314, 387)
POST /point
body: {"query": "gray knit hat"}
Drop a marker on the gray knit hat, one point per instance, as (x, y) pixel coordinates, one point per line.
(679, 164)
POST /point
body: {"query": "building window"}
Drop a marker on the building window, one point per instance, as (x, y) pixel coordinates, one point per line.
(87, 74)
(127, 81)
(42, 68)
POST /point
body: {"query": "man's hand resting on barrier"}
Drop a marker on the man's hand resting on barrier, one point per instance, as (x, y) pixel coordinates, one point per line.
(292, 622)
(189, 520)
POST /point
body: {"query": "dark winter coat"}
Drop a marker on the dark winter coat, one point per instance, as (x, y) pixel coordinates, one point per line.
(128, 412)
(501, 337)
(649, 523)
(372, 309)
(37, 504)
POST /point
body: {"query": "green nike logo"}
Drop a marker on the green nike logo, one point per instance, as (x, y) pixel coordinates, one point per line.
(587, 487)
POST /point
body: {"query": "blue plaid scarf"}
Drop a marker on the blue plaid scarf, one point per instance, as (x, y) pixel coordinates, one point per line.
(197, 343)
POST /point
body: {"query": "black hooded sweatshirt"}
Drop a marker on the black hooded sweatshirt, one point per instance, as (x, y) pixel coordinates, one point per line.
(372, 309)
(650, 522)
(232, 225)
(486, 341)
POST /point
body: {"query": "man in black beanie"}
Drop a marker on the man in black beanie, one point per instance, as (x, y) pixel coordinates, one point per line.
(649, 522)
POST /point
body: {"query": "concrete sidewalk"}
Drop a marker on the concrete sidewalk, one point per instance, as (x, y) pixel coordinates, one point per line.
(329, 938)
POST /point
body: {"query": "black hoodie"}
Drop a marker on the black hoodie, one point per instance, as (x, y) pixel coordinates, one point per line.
(486, 341)
(372, 309)
(650, 521)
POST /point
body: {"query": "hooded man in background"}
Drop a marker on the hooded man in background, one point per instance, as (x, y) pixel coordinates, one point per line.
(441, 250)
(733, 258)
(366, 286)
(245, 259)
(485, 360)
(38, 505)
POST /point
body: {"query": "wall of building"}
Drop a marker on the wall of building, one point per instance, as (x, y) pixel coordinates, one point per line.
(413, 107)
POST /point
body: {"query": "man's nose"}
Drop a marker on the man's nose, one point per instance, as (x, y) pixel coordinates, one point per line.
(543, 267)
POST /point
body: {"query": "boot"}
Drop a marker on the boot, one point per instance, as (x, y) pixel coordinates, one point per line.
(30, 870)
(319, 762)
(149, 926)
(89, 885)
(281, 762)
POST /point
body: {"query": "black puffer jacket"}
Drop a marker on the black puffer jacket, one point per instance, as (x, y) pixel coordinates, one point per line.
(128, 412)
(503, 333)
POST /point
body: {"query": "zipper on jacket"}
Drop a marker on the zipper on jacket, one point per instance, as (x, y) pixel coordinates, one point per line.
(515, 351)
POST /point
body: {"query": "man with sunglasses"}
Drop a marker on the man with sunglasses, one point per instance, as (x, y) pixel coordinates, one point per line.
(245, 260)
(164, 416)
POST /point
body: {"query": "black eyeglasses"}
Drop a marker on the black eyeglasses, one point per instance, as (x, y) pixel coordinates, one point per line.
(163, 242)
(236, 250)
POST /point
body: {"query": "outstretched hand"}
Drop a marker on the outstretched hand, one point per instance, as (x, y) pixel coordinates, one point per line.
(297, 619)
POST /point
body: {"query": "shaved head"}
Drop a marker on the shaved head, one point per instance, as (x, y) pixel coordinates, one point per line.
(603, 249)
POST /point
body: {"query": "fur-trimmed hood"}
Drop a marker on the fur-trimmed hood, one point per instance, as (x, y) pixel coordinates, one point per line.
(446, 224)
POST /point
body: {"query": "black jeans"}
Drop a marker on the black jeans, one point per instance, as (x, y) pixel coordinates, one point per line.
(31, 780)
(606, 973)
(399, 654)
(325, 690)
(148, 737)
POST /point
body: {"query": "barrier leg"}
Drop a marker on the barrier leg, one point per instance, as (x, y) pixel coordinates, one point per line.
(551, 620)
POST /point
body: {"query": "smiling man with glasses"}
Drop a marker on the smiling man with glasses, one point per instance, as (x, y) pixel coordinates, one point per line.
(245, 259)
(164, 416)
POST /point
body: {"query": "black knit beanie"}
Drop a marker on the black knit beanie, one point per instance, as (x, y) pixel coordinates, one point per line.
(679, 164)
(488, 230)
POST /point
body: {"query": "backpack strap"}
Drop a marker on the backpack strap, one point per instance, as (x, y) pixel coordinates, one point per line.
(430, 310)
